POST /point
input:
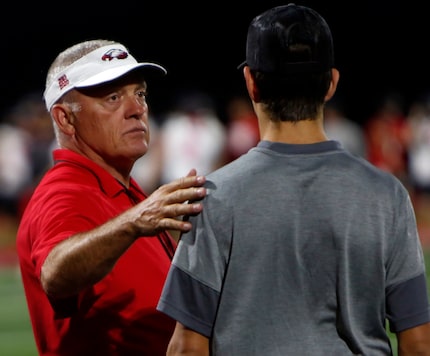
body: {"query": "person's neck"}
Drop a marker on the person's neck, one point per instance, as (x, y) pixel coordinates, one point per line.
(302, 132)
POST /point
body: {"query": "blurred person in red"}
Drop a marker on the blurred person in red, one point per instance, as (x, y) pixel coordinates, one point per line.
(387, 135)
(242, 127)
(93, 247)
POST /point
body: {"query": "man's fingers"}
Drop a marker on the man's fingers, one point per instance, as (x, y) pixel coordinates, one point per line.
(179, 225)
(186, 194)
(192, 172)
(190, 209)
(185, 182)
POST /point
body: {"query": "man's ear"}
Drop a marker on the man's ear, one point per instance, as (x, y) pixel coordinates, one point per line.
(250, 85)
(64, 118)
(333, 84)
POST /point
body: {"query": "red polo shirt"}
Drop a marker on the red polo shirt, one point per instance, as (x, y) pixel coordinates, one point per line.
(118, 315)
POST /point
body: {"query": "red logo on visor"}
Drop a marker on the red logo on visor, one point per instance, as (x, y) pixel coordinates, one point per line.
(114, 53)
(63, 81)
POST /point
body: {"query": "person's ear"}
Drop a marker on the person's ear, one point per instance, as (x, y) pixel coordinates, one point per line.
(333, 84)
(63, 117)
(250, 85)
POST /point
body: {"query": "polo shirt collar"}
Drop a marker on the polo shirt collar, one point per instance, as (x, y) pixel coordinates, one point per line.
(109, 184)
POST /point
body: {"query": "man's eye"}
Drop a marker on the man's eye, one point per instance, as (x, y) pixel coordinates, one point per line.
(142, 94)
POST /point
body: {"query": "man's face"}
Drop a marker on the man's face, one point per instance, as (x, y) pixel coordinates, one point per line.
(111, 121)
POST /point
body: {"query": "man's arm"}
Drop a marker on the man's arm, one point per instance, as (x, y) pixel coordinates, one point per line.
(414, 341)
(85, 258)
(187, 342)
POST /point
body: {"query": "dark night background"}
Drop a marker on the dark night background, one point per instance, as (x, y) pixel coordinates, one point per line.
(380, 46)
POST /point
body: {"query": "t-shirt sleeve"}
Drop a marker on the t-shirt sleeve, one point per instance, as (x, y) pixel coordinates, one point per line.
(193, 285)
(188, 301)
(406, 292)
(408, 304)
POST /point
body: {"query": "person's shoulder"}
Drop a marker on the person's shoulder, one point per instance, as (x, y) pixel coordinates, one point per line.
(224, 181)
(233, 169)
(376, 177)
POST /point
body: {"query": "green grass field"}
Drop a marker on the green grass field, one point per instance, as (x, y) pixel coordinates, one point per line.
(16, 338)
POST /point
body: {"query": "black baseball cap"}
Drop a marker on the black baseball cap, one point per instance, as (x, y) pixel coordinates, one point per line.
(289, 39)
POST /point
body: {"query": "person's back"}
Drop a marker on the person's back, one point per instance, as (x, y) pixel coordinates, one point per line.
(301, 248)
(307, 269)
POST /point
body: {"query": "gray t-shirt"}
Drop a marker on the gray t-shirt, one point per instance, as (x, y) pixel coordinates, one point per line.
(300, 250)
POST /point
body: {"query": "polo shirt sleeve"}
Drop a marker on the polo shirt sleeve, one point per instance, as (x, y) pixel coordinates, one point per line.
(192, 289)
(408, 304)
(189, 301)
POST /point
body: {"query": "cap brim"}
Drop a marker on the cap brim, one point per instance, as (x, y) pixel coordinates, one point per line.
(114, 73)
(241, 65)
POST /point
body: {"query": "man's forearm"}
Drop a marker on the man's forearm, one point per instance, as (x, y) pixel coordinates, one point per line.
(85, 258)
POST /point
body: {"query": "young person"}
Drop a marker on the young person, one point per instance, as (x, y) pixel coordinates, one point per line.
(301, 247)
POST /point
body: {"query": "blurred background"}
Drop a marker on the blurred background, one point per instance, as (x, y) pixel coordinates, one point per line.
(380, 112)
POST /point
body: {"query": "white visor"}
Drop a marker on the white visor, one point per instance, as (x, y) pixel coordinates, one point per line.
(99, 66)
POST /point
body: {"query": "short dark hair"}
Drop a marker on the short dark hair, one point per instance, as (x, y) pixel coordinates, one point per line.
(298, 97)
